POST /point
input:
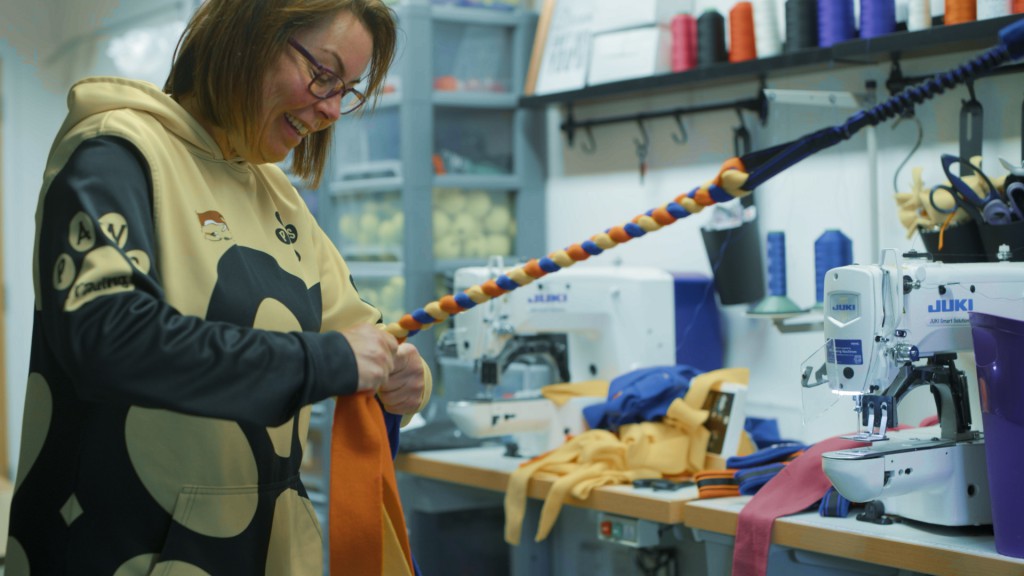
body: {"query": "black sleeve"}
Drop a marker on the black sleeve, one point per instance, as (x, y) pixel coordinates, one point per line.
(106, 320)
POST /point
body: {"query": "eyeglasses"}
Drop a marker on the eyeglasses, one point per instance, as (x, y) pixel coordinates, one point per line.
(327, 84)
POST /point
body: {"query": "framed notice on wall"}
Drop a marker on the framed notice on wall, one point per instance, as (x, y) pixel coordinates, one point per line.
(561, 47)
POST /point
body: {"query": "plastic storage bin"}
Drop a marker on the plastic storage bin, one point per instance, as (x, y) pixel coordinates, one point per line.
(470, 141)
(472, 223)
(387, 293)
(367, 146)
(472, 58)
(370, 226)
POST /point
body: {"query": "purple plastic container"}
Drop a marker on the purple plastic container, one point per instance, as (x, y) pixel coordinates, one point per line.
(998, 343)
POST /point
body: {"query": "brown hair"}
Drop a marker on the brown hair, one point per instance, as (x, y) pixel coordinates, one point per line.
(222, 57)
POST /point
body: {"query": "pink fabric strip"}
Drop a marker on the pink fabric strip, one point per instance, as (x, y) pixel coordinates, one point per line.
(799, 485)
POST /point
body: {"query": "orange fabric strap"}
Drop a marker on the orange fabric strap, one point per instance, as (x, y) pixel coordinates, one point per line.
(362, 481)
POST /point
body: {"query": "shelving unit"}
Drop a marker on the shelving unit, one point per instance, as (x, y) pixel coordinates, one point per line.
(382, 192)
(900, 45)
(401, 176)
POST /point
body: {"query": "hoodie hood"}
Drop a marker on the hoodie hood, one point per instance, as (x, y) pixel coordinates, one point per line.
(98, 95)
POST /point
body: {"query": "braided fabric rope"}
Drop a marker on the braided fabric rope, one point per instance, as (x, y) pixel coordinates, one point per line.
(736, 178)
(727, 185)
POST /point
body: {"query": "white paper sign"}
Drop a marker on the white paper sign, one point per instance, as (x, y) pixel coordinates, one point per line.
(566, 55)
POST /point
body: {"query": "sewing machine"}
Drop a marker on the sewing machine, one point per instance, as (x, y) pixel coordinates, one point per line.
(893, 327)
(577, 325)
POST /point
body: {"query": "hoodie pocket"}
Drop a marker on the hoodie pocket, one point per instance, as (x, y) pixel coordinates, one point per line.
(203, 515)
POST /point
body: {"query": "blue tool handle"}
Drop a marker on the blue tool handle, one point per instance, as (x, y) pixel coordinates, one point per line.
(958, 202)
(993, 209)
(1012, 38)
(996, 212)
(966, 191)
(1015, 196)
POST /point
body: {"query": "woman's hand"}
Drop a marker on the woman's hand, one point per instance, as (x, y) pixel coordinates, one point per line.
(403, 391)
(375, 352)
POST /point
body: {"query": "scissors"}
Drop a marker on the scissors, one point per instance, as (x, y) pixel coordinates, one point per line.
(989, 210)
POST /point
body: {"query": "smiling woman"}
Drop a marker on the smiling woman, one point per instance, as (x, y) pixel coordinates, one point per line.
(190, 310)
(293, 104)
(225, 70)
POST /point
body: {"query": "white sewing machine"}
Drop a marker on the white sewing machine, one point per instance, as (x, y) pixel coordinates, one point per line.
(890, 328)
(575, 325)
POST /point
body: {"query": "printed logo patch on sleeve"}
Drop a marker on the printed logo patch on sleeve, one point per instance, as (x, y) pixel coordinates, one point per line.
(104, 271)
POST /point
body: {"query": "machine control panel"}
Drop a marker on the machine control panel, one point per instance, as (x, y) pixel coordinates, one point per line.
(626, 531)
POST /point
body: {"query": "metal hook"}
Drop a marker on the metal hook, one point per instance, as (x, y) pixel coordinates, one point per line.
(970, 90)
(642, 148)
(740, 136)
(682, 137)
(642, 145)
(589, 145)
(739, 114)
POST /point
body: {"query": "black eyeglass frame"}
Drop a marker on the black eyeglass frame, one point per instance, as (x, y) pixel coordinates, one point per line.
(322, 72)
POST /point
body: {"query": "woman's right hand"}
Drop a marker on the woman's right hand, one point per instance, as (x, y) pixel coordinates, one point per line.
(374, 350)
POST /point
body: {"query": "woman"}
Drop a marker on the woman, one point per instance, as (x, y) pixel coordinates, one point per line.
(189, 310)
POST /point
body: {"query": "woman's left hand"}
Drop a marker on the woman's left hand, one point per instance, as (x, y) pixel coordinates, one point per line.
(403, 391)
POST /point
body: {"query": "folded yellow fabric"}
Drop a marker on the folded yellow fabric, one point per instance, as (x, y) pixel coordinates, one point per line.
(515, 492)
(562, 393)
(656, 445)
(687, 415)
(589, 460)
(598, 457)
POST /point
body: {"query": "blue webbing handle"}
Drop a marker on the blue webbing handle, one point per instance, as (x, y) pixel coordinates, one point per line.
(765, 164)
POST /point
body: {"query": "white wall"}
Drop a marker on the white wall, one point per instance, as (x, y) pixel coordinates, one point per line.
(44, 48)
(588, 193)
(32, 115)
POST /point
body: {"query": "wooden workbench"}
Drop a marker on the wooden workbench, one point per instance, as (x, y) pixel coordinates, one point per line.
(908, 546)
(488, 468)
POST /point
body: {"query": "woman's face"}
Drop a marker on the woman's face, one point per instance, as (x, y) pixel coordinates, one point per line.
(290, 112)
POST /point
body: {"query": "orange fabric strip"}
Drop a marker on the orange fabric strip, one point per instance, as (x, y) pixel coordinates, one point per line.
(362, 480)
(718, 491)
(359, 450)
(393, 506)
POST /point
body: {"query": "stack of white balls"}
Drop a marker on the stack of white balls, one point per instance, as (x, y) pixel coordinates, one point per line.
(374, 222)
(387, 294)
(467, 224)
(471, 224)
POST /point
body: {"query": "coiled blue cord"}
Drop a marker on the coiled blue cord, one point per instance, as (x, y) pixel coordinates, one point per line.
(765, 164)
